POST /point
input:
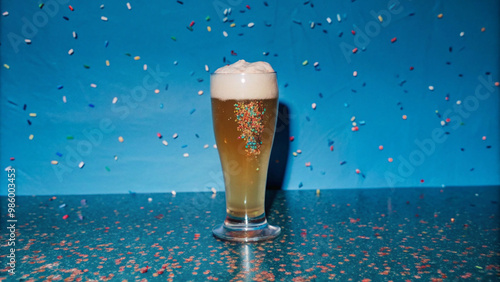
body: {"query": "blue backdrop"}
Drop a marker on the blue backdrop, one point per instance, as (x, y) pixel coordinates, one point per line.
(416, 77)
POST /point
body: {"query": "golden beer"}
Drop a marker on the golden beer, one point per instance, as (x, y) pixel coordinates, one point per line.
(244, 131)
(244, 111)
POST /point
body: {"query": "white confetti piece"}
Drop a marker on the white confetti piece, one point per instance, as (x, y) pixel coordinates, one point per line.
(115, 100)
(145, 67)
(5, 13)
(164, 142)
(313, 106)
(64, 99)
(93, 85)
(459, 102)
(431, 88)
(174, 193)
(81, 164)
(224, 33)
(54, 162)
(200, 92)
(206, 68)
(28, 41)
(205, 146)
(215, 146)
(329, 20)
(149, 199)
(312, 25)
(250, 25)
(128, 6)
(186, 155)
(214, 190)
(339, 19)
(316, 64)
(462, 34)
(104, 18)
(75, 35)
(71, 51)
(175, 135)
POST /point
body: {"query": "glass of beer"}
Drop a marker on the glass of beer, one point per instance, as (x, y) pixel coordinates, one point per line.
(244, 111)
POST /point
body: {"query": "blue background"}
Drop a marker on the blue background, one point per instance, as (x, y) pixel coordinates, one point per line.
(462, 68)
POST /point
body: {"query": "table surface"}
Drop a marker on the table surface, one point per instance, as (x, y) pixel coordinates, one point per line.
(341, 234)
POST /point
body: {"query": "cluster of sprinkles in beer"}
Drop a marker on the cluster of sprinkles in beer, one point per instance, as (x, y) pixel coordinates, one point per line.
(249, 118)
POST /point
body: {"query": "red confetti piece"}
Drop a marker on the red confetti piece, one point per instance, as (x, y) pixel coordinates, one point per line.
(292, 138)
(412, 68)
(448, 120)
(393, 40)
(233, 53)
(331, 148)
(191, 24)
(354, 50)
(353, 32)
(158, 134)
(248, 7)
(358, 171)
(380, 147)
(65, 216)
(355, 128)
(421, 181)
(12, 159)
(71, 8)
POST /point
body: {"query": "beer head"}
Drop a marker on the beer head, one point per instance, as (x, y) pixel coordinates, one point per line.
(243, 81)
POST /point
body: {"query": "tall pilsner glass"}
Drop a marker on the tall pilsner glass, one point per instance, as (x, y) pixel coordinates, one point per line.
(244, 111)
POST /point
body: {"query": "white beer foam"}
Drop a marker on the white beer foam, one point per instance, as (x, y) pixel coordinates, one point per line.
(243, 80)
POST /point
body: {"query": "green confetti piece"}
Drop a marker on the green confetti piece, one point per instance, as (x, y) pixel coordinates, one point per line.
(69, 137)
(478, 267)
(86, 66)
(173, 38)
(107, 168)
(190, 28)
(41, 5)
(207, 18)
(128, 54)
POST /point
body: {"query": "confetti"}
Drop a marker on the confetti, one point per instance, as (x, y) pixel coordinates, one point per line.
(54, 162)
(174, 193)
(329, 20)
(31, 137)
(250, 25)
(200, 92)
(185, 155)
(93, 85)
(380, 18)
(115, 99)
(313, 106)
(393, 39)
(224, 33)
(129, 6)
(65, 217)
(6, 13)
(355, 73)
(32, 114)
(304, 63)
(28, 41)
(120, 139)
(6, 66)
(440, 16)
(175, 135)
(71, 51)
(405, 117)
(103, 18)
(64, 99)
(390, 160)
(81, 164)
(431, 88)
(338, 18)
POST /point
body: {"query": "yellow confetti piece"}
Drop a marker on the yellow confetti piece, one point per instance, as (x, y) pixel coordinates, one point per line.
(209, 28)
(6, 66)
(32, 114)
(120, 139)
(233, 25)
(380, 18)
(107, 63)
(54, 162)
(31, 136)
(440, 16)
(305, 62)
(137, 58)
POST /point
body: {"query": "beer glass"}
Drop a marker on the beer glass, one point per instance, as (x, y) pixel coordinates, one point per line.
(244, 112)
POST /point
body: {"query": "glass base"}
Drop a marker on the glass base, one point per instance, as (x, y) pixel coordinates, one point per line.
(249, 230)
